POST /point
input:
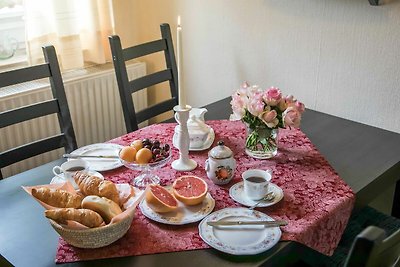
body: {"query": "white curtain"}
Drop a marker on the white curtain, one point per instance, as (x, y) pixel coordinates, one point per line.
(79, 30)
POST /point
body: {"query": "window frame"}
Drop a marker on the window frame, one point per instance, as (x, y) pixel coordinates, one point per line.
(12, 24)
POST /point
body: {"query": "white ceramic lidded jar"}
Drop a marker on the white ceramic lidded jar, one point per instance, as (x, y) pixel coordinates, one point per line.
(220, 165)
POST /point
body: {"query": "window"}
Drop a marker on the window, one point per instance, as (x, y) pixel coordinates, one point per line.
(77, 28)
(12, 33)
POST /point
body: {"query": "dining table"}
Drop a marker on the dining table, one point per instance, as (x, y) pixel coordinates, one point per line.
(365, 157)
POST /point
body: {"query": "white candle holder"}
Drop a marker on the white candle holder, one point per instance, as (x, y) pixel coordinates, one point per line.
(181, 135)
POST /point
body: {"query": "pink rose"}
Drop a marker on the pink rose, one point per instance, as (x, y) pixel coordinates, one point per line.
(291, 117)
(244, 85)
(272, 96)
(282, 105)
(255, 92)
(243, 88)
(255, 106)
(269, 118)
(238, 104)
(289, 99)
(300, 106)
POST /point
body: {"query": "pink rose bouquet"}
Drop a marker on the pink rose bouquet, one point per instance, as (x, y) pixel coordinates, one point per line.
(265, 110)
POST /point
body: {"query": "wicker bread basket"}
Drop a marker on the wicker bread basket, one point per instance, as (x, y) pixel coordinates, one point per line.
(94, 237)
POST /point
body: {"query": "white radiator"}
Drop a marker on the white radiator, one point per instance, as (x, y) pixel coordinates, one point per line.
(94, 104)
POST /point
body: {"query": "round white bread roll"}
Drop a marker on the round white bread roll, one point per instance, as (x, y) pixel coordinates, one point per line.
(107, 208)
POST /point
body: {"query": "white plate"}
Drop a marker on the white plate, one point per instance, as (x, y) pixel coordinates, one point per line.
(236, 192)
(239, 239)
(104, 149)
(58, 179)
(207, 143)
(183, 215)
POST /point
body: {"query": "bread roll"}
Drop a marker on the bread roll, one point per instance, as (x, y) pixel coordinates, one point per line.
(57, 198)
(86, 217)
(107, 208)
(92, 185)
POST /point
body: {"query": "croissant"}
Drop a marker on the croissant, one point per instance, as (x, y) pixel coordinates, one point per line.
(86, 217)
(57, 197)
(92, 185)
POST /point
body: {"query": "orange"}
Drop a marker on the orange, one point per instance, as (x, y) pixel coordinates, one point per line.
(190, 190)
(128, 153)
(160, 199)
(143, 156)
(137, 144)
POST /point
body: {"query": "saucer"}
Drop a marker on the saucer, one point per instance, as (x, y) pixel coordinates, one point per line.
(236, 192)
(57, 179)
(207, 143)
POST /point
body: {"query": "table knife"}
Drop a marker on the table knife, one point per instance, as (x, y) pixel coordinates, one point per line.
(265, 223)
(73, 156)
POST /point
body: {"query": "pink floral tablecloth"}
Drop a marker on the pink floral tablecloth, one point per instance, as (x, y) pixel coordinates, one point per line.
(317, 203)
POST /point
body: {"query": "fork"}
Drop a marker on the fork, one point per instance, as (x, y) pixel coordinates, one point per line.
(268, 197)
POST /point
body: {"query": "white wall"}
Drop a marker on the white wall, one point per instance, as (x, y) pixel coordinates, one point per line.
(337, 56)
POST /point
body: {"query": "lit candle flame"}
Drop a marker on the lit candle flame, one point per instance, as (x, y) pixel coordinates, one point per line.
(179, 21)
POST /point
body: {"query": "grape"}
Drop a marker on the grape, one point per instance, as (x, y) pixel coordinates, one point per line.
(159, 157)
(156, 143)
(156, 151)
(148, 146)
(146, 141)
(166, 147)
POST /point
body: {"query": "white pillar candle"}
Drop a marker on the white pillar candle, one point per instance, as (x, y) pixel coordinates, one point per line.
(181, 99)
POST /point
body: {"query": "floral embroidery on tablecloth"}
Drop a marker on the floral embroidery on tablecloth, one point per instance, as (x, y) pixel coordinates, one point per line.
(317, 203)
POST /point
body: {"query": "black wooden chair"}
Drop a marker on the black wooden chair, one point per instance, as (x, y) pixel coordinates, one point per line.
(373, 248)
(50, 69)
(347, 253)
(127, 88)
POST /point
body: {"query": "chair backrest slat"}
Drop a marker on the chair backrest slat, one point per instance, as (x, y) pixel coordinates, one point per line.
(127, 87)
(25, 113)
(24, 75)
(144, 49)
(149, 80)
(150, 112)
(32, 149)
(58, 105)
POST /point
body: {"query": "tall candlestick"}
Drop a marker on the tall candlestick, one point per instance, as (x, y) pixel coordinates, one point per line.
(181, 140)
(181, 99)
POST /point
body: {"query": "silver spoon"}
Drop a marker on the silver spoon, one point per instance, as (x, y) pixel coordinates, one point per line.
(268, 197)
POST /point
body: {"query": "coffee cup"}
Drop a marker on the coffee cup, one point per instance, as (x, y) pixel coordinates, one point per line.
(255, 183)
(67, 170)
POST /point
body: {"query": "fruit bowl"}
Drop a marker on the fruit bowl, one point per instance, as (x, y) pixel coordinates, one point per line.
(146, 176)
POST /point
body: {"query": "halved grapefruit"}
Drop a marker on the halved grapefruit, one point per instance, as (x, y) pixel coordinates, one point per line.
(190, 190)
(160, 199)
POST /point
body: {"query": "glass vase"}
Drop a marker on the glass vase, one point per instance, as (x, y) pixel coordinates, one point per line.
(261, 142)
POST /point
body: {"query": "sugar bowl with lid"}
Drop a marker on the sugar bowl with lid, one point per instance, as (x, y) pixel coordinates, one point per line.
(220, 165)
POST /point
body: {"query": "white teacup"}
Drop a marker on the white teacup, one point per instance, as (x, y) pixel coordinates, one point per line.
(255, 183)
(67, 170)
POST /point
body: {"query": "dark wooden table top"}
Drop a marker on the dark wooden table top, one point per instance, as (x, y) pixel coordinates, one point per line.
(367, 158)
